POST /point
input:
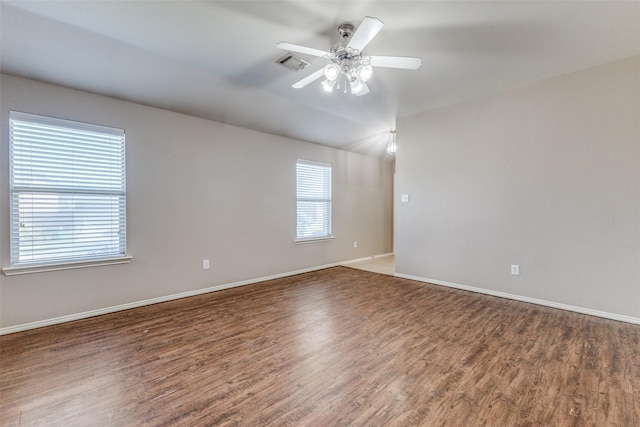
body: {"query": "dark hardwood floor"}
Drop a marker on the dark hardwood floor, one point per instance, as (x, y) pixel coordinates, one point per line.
(333, 347)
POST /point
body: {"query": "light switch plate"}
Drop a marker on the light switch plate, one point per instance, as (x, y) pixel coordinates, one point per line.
(404, 198)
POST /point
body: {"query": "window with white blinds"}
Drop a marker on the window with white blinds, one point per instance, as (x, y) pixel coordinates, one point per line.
(67, 183)
(313, 189)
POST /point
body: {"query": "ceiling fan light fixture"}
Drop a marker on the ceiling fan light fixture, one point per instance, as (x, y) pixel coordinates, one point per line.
(364, 91)
(364, 72)
(358, 87)
(331, 71)
(328, 85)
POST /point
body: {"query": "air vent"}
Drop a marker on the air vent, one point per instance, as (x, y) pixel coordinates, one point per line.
(292, 63)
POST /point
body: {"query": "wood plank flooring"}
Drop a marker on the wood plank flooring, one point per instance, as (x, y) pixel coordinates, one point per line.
(329, 348)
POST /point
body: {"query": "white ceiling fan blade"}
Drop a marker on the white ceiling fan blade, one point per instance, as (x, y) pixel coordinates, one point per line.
(302, 49)
(406, 62)
(365, 33)
(309, 79)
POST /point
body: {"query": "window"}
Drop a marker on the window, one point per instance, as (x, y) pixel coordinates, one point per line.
(313, 190)
(67, 184)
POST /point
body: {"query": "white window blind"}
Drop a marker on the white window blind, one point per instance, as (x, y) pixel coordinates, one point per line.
(67, 183)
(313, 184)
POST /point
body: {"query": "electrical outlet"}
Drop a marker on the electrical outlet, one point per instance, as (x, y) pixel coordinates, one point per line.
(206, 264)
(515, 269)
(355, 244)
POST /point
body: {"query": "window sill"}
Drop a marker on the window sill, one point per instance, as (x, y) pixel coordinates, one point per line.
(314, 240)
(41, 268)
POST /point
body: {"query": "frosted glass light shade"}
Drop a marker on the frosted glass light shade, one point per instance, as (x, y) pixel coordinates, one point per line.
(331, 71)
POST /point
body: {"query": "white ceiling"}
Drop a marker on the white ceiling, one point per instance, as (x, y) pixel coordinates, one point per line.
(216, 59)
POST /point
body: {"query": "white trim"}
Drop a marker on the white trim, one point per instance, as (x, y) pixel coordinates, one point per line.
(581, 310)
(41, 268)
(367, 258)
(127, 306)
(314, 163)
(314, 240)
(57, 121)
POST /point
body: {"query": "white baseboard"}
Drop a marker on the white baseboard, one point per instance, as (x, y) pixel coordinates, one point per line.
(367, 258)
(127, 306)
(581, 310)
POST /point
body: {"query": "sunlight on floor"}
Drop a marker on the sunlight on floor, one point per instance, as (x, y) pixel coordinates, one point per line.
(384, 265)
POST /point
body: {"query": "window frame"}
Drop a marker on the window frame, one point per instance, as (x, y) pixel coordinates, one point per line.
(327, 200)
(57, 187)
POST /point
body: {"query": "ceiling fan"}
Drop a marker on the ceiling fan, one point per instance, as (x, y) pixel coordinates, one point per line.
(348, 64)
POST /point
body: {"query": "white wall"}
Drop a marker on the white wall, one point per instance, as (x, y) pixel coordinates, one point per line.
(546, 176)
(196, 189)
